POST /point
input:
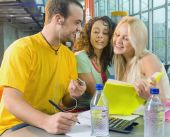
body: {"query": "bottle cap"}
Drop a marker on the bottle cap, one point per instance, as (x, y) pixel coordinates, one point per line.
(99, 86)
(154, 91)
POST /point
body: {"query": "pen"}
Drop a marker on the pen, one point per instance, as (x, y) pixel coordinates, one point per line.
(57, 107)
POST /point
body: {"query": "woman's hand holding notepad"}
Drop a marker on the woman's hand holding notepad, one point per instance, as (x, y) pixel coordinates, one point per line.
(155, 78)
(142, 86)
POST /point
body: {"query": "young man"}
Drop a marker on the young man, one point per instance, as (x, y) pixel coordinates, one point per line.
(38, 68)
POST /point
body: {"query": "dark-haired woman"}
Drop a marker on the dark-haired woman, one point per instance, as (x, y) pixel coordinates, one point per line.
(94, 56)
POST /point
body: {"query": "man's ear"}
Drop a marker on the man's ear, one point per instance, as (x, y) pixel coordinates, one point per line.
(59, 19)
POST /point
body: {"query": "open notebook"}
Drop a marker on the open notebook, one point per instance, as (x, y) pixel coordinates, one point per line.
(122, 97)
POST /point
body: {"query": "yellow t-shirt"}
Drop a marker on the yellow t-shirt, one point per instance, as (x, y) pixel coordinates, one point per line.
(32, 67)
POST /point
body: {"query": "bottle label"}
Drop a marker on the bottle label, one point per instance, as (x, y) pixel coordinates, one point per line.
(103, 108)
(154, 124)
(99, 111)
(99, 121)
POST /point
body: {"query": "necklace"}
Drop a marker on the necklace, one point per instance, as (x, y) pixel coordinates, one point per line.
(95, 65)
(55, 50)
(94, 60)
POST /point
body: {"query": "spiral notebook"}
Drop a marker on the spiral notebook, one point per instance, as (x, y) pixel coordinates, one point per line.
(122, 97)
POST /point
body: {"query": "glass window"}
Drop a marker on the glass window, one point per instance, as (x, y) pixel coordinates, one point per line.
(106, 7)
(159, 33)
(130, 8)
(39, 1)
(168, 50)
(144, 18)
(116, 4)
(157, 3)
(168, 29)
(112, 5)
(101, 8)
(150, 4)
(137, 16)
(96, 4)
(126, 5)
(144, 5)
(135, 6)
(121, 4)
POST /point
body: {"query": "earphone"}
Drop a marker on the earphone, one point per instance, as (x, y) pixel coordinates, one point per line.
(61, 21)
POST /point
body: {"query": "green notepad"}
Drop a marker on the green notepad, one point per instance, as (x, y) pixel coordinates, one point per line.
(122, 97)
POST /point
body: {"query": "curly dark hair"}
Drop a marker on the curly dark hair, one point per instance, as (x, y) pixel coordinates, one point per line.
(84, 41)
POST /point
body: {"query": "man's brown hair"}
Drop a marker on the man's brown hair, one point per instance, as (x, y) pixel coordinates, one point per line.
(58, 7)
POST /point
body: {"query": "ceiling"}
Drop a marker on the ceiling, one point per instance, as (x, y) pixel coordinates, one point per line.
(24, 14)
(27, 15)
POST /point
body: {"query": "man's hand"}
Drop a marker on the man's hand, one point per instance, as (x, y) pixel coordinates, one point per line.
(76, 88)
(59, 123)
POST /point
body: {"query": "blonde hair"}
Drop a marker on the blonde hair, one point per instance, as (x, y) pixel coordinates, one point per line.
(138, 37)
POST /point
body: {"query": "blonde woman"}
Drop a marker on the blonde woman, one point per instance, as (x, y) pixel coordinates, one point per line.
(133, 62)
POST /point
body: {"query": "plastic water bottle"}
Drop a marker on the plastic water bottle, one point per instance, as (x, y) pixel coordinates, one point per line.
(99, 114)
(154, 116)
